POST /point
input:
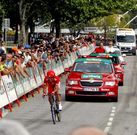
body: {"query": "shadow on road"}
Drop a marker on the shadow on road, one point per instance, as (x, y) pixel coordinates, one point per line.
(89, 99)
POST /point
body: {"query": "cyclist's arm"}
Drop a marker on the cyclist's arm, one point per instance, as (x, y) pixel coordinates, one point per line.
(56, 88)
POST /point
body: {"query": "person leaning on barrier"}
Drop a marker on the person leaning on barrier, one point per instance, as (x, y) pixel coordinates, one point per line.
(10, 64)
(87, 130)
(3, 69)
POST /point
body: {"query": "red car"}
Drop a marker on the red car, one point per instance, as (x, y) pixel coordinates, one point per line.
(118, 63)
(92, 77)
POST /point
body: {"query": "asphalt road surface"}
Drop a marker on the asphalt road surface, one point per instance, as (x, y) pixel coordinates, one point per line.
(114, 118)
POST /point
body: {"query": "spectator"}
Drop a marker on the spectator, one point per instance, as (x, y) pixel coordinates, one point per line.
(9, 62)
(3, 70)
(23, 67)
(100, 49)
(87, 130)
(110, 48)
(27, 57)
(49, 49)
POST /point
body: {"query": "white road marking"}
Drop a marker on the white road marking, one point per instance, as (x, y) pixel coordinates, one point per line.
(106, 130)
(112, 114)
(109, 124)
(110, 120)
(113, 111)
(113, 108)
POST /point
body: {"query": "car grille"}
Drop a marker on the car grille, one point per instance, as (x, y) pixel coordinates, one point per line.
(125, 48)
(93, 84)
(90, 93)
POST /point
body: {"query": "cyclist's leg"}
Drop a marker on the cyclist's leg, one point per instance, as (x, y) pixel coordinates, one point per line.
(50, 98)
(58, 97)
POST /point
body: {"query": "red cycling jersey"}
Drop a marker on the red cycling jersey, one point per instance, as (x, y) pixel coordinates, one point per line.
(51, 83)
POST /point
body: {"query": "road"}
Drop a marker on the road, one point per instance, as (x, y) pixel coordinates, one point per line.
(115, 118)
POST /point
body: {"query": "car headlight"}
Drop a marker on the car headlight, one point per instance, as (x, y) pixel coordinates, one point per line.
(72, 82)
(110, 83)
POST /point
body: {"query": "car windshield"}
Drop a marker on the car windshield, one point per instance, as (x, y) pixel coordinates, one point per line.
(93, 67)
(126, 39)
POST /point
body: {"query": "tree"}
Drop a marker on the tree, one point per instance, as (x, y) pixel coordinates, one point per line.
(74, 13)
(133, 13)
(1, 16)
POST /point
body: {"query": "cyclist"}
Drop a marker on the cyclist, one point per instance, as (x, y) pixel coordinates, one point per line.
(52, 83)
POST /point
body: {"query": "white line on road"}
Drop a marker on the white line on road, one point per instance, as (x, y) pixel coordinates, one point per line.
(110, 120)
(113, 111)
(112, 114)
(109, 124)
(106, 130)
(113, 108)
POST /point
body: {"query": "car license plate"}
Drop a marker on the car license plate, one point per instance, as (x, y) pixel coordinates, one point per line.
(91, 89)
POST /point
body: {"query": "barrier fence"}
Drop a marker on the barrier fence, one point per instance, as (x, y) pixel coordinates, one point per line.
(14, 87)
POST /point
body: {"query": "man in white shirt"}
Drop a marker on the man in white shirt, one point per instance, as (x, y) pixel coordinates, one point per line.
(27, 57)
(110, 48)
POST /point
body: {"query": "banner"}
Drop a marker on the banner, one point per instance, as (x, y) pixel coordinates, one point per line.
(3, 96)
(18, 86)
(37, 75)
(26, 84)
(9, 87)
(32, 80)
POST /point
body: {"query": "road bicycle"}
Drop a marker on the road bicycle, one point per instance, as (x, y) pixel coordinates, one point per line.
(55, 112)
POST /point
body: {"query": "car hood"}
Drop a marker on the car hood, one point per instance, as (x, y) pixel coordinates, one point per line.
(89, 76)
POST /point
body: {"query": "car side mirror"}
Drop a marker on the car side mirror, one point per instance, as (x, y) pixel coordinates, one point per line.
(67, 69)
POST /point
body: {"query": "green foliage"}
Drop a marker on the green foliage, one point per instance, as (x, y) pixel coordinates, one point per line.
(72, 13)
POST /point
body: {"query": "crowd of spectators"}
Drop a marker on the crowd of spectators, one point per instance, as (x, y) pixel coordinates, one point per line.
(17, 59)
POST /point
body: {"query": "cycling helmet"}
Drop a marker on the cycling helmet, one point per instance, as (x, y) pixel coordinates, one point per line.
(50, 73)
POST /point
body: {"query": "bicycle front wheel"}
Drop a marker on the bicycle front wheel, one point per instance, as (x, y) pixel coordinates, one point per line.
(53, 113)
